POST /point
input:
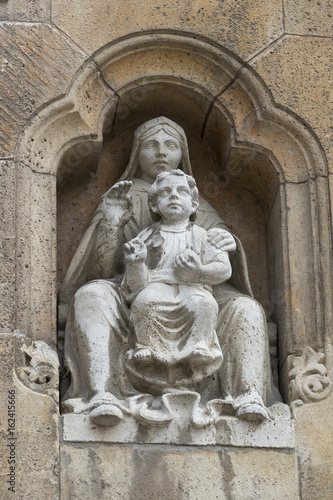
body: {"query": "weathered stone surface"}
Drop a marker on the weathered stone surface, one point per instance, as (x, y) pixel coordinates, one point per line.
(21, 10)
(81, 112)
(303, 327)
(166, 58)
(303, 17)
(36, 260)
(315, 448)
(7, 384)
(34, 442)
(169, 473)
(310, 283)
(264, 476)
(7, 243)
(309, 379)
(38, 63)
(276, 433)
(243, 27)
(157, 356)
(298, 71)
(330, 180)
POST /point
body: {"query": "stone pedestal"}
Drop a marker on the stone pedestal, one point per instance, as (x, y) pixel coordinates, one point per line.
(232, 459)
(142, 472)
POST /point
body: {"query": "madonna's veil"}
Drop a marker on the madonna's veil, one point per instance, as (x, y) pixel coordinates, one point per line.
(146, 130)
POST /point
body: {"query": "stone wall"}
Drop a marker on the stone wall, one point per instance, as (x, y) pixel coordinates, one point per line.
(251, 83)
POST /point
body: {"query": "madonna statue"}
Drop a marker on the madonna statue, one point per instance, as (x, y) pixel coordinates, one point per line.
(99, 332)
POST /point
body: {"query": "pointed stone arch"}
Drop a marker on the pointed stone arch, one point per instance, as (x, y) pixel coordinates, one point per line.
(222, 103)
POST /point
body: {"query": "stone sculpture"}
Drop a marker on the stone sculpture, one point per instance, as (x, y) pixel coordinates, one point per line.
(116, 369)
(171, 268)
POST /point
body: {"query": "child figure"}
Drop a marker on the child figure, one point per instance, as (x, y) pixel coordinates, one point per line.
(171, 268)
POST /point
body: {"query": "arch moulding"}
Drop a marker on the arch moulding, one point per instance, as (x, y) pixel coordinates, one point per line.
(218, 98)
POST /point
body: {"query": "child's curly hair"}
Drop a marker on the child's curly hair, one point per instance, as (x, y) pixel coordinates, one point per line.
(153, 193)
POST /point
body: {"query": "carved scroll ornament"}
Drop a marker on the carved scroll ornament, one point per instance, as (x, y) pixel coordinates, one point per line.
(37, 365)
(308, 377)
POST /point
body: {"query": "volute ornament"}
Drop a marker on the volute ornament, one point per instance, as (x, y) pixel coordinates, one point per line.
(308, 377)
(37, 365)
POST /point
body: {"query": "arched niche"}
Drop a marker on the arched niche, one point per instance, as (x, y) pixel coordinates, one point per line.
(259, 165)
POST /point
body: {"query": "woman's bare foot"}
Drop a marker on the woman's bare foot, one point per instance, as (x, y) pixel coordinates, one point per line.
(253, 412)
(106, 415)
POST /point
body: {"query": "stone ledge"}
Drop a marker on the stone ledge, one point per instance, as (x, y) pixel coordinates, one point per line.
(144, 471)
(228, 431)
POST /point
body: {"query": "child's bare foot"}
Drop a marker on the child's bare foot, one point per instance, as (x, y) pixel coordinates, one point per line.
(142, 354)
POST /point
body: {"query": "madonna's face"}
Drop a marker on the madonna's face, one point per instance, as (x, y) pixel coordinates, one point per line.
(159, 153)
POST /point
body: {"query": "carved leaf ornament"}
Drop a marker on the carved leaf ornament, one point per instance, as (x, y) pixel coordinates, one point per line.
(308, 378)
(37, 365)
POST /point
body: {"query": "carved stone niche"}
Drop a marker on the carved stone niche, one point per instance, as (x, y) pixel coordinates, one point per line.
(255, 163)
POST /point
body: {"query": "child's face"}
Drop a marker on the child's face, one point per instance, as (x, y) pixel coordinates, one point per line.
(174, 199)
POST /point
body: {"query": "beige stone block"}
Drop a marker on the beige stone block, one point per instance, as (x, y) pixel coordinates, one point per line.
(259, 122)
(7, 267)
(66, 136)
(330, 180)
(7, 243)
(168, 473)
(254, 474)
(7, 304)
(38, 446)
(243, 27)
(43, 258)
(210, 482)
(298, 71)
(92, 472)
(304, 17)
(301, 304)
(309, 260)
(169, 59)
(186, 105)
(324, 279)
(7, 193)
(7, 384)
(36, 259)
(314, 423)
(277, 267)
(22, 10)
(29, 434)
(38, 63)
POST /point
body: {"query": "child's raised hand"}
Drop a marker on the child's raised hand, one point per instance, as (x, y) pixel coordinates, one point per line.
(135, 251)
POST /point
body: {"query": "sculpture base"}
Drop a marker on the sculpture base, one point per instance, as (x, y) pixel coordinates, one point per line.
(141, 472)
(277, 432)
(140, 460)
